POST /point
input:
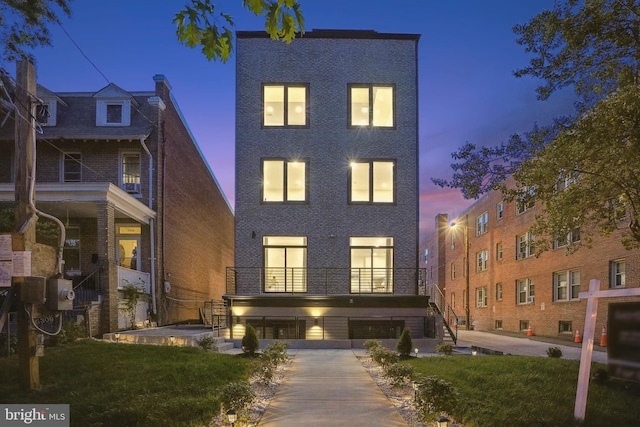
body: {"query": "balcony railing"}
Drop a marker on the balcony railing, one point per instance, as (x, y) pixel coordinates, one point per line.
(139, 279)
(321, 281)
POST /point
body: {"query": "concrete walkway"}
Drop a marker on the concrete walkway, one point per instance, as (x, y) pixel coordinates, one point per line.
(329, 388)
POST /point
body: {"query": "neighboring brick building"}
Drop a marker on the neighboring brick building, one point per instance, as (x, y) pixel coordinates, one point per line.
(508, 287)
(140, 204)
(327, 187)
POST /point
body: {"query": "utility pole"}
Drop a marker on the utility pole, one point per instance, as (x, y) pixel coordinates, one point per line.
(25, 235)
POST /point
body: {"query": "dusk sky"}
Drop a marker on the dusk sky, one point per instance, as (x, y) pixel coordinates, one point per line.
(467, 54)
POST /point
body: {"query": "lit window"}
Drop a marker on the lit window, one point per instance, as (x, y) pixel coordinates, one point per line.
(371, 264)
(285, 105)
(525, 291)
(285, 263)
(566, 285)
(371, 105)
(372, 182)
(284, 181)
(618, 274)
(71, 167)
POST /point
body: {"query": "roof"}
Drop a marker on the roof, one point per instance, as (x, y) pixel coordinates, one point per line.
(335, 34)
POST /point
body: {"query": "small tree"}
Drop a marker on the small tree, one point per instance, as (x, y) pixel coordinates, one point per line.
(250, 341)
(405, 344)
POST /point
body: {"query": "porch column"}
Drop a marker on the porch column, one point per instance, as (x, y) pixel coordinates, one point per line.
(109, 277)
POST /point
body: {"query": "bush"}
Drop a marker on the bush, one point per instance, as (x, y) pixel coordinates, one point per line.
(383, 356)
(70, 332)
(399, 374)
(554, 352)
(434, 397)
(250, 341)
(238, 396)
(445, 348)
(371, 344)
(405, 344)
(207, 343)
(275, 354)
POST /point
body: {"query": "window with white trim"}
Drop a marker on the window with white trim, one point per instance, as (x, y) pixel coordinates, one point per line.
(482, 224)
(618, 273)
(284, 180)
(453, 271)
(526, 201)
(113, 112)
(500, 210)
(525, 291)
(499, 291)
(285, 105)
(499, 249)
(46, 113)
(481, 297)
(371, 105)
(372, 181)
(482, 260)
(570, 238)
(130, 172)
(566, 285)
(524, 245)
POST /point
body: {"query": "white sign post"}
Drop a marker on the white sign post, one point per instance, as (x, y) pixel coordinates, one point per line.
(587, 338)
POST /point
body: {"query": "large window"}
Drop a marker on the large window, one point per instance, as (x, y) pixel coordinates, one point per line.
(285, 105)
(71, 167)
(130, 172)
(524, 246)
(525, 291)
(371, 264)
(482, 223)
(371, 106)
(284, 181)
(482, 260)
(618, 273)
(285, 263)
(372, 181)
(566, 285)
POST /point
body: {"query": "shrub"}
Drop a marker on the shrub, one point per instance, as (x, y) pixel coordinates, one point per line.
(371, 344)
(445, 348)
(399, 374)
(70, 332)
(433, 397)
(250, 341)
(207, 343)
(405, 344)
(383, 356)
(554, 352)
(238, 396)
(275, 353)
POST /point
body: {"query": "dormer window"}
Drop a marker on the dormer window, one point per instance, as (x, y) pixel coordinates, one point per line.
(46, 113)
(113, 113)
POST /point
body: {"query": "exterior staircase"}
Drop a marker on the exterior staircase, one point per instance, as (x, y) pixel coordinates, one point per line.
(438, 303)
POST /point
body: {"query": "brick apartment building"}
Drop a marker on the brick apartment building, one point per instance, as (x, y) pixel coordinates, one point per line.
(139, 202)
(508, 287)
(327, 188)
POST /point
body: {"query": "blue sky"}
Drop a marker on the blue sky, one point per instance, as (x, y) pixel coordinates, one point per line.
(467, 54)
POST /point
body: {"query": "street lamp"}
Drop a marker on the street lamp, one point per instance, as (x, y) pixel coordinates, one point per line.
(232, 417)
(465, 229)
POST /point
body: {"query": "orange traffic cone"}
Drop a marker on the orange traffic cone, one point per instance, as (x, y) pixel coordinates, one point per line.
(529, 331)
(578, 337)
(603, 337)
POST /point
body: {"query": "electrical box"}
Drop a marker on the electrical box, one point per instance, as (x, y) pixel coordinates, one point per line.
(60, 295)
(33, 290)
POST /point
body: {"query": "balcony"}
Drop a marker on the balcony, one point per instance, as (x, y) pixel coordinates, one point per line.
(321, 281)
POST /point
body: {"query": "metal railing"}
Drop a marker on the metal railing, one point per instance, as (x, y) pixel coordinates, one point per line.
(321, 281)
(439, 302)
(87, 288)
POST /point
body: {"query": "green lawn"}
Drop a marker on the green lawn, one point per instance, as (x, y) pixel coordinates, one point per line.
(109, 384)
(530, 391)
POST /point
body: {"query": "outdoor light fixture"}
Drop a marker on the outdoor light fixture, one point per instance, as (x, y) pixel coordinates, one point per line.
(231, 416)
(117, 335)
(443, 421)
(315, 321)
(238, 320)
(416, 351)
(474, 352)
(172, 340)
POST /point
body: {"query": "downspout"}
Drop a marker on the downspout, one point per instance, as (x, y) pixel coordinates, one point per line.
(152, 238)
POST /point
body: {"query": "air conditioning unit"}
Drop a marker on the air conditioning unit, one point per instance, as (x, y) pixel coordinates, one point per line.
(132, 187)
(530, 299)
(522, 255)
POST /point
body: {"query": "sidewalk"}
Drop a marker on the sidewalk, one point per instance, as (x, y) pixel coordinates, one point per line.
(329, 388)
(524, 346)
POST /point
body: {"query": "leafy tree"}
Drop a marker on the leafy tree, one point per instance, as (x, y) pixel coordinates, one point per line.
(584, 168)
(24, 25)
(197, 24)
